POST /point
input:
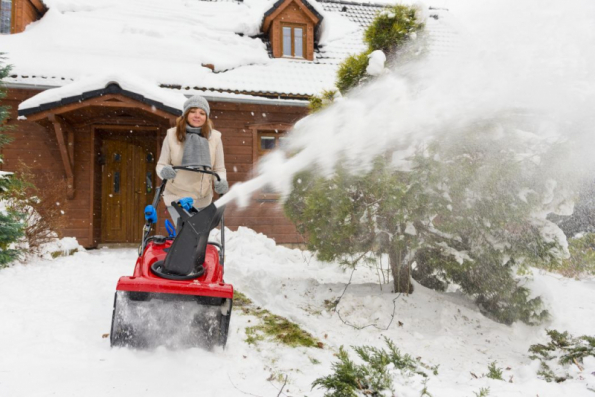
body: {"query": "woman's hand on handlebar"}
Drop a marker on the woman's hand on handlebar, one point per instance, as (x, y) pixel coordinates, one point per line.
(167, 172)
(221, 187)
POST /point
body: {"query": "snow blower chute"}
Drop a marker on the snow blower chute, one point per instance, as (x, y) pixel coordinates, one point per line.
(176, 296)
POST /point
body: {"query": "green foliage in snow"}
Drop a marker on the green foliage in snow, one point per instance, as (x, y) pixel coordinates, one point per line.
(11, 226)
(582, 257)
(458, 214)
(373, 376)
(393, 28)
(562, 351)
(392, 32)
(317, 103)
(352, 72)
(494, 372)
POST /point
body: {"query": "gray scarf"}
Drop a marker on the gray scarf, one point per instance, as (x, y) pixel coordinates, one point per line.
(196, 149)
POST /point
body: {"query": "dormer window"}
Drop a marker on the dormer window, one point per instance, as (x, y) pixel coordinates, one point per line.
(294, 43)
(291, 26)
(5, 16)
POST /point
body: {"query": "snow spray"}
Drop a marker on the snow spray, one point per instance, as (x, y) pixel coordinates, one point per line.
(532, 55)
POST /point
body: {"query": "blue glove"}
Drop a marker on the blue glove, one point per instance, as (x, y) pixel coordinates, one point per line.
(186, 203)
(150, 214)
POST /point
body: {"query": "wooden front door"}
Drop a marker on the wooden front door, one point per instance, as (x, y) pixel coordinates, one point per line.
(128, 182)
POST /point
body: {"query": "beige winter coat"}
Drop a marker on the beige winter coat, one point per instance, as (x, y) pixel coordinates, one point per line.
(199, 186)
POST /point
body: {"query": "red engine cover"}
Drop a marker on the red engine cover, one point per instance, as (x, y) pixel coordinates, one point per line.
(209, 284)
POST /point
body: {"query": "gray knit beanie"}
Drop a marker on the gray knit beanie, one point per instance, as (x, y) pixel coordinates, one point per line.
(196, 102)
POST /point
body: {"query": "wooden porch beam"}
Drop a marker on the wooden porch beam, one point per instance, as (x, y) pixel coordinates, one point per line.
(128, 123)
(105, 101)
(71, 146)
(64, 153)
(133, 127)
(270, 126)
(69, 141)
(39, 6)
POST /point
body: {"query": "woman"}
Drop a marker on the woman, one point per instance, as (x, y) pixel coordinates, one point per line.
(192, 143)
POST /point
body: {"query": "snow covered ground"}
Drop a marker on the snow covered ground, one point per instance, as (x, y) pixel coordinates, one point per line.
(54, 314)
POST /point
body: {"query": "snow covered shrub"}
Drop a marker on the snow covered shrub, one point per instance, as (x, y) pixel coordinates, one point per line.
(42, 213)
(11, 225)
(560, 353)
(494, 372)
(468, 210)
(352, 72)
(349, 216)
(10, 231)
(582, 256)
(393, 32)
(374, 376)
(483, 392)
(320, 102)
(582, 219)
(393, 28)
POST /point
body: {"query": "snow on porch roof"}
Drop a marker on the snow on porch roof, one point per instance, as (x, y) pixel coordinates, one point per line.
(108, 83)
(172, 42)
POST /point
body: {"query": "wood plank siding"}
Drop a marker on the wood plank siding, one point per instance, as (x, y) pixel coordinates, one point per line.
(24, 12)
(36, 145)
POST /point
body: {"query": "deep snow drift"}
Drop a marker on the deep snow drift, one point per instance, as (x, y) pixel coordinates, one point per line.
(55, 313)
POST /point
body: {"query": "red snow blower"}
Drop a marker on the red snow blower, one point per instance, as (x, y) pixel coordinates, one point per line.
(176, 296)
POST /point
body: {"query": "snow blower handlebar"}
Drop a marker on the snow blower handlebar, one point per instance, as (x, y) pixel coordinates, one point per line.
(180, 167)
(150, 219)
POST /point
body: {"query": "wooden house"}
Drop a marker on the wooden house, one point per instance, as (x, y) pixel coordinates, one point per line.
(95, 85)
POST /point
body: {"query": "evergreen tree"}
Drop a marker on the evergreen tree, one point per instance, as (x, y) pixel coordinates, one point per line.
(467, 210)
(11, 227)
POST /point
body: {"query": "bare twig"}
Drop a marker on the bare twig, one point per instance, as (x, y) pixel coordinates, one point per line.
(379, 281)
(392, 317)
(306, 261)
(235, 387)
(345, 290)
(577, 364)
(284, 383)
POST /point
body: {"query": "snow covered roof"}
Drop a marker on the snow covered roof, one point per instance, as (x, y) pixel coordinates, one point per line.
(124, 84)
(360, 13)
(171, 43)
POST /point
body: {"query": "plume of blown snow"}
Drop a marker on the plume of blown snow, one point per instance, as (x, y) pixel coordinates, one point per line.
(533, 56)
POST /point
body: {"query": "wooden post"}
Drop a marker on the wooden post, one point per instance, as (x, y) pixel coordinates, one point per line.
(71, 146)
(64, 153)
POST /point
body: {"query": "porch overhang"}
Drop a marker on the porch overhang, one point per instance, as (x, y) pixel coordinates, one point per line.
(107, 97)
(110, 104)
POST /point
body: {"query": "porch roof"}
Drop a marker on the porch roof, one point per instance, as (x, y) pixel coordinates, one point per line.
(101, 85)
